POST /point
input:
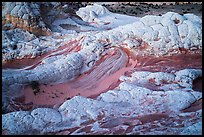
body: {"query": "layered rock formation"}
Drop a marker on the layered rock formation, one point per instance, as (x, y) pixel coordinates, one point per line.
(127, 79)
(119, 111)
(25, 15)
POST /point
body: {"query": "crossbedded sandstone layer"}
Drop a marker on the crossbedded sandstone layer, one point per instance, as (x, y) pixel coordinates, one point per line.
(122, 110)
(129, 79)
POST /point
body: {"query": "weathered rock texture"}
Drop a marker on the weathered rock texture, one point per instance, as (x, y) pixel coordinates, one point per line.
(163, 35)
(111, 87)
(25, 15)
(129, 109)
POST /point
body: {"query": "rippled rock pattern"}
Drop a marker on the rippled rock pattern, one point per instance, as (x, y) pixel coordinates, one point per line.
(126, 108)
(134, 78)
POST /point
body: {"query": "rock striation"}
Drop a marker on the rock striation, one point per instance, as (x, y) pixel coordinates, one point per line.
(25, 15)
(126, 105)
(105, 81)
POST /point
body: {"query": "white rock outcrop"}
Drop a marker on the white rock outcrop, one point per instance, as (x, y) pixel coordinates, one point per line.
(128, 98)
(163, 34)
(89, 13)
(141, 94)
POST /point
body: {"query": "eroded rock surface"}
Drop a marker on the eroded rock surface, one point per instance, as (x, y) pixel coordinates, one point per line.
(25, 15)
(105, 77)
(128, 106)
